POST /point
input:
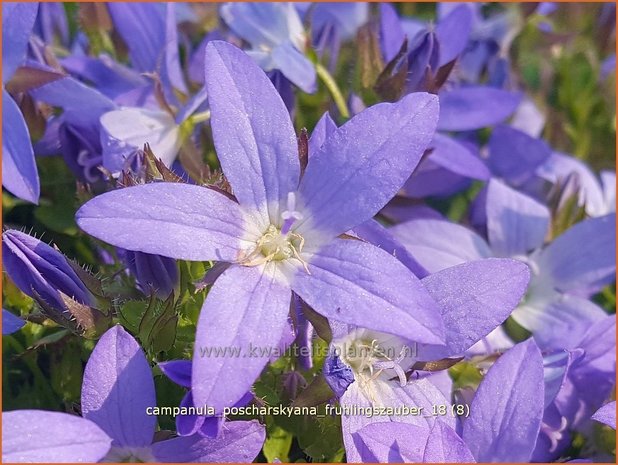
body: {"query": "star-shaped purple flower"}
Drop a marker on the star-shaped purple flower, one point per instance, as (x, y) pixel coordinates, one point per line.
(371, 369)
(572, 267)
(282, 233)
(277, 38)
(502, 426)
(118, 424)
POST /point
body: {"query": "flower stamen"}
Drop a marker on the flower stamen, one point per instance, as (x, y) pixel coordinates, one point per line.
(368, 360)
(274, 245)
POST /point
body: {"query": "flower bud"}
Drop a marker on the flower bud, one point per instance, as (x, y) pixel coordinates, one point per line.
(64, 291)
(152, 272)
(40, 271)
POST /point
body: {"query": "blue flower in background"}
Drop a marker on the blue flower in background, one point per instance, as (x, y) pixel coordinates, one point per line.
(276, 37)
(19, 171)
(11, 323)
(565, 272)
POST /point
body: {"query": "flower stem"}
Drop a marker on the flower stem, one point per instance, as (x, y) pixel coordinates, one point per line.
(333, 88)
(200, 117)
(187, 126)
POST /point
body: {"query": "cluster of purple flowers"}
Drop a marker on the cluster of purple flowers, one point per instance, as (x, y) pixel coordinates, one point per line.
(477, 340)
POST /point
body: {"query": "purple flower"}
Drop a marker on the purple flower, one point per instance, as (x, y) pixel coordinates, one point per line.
(514, 156)
(20, 175)
(179, 371)
(113, 131)
(10, 323)
(490, 38)
(27, 438)
(596, 194)
(428, 47)
(406, 443)
(109, 133)
(474, 107)
(371, 369)
(371, 231)
(590, 378)
(606, 414)
(118, 398)
(506, 412)
(333, 23)
(447, 40)
(578, 380)
(576, 264)
(304, 335)
(452, 162)
(281, 236)
(76, 132)
(529, 118)
(153, 273)
(125, 130)
(276, 36)
(94, 129)
(41, 271)
(81, 150)
(155, 48)
(339, 19)
(112, 79)
(52, 25)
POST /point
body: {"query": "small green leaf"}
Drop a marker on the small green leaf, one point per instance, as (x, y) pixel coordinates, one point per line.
(131, 314)
(517, 332)
(277, 444)
(57, 217)
(67, 372)
(52, 338)
(318, 392)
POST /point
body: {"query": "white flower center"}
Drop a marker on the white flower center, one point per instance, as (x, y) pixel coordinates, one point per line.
(372, 355)
(278, 243)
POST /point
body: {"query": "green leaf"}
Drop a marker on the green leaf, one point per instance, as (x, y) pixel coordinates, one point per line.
(318, 392)
(516, 332)
(322, 440)
(67, 373)
(52, 338)
(12, 297)
(168, 394)
(157, 328)
(277, 444)
(131, 314)
(604, 437)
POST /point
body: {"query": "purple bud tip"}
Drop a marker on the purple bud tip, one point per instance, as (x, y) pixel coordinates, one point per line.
(38, 270)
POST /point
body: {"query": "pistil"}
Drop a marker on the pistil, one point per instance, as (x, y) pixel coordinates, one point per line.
(290, 215)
